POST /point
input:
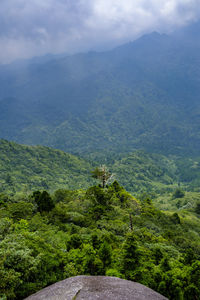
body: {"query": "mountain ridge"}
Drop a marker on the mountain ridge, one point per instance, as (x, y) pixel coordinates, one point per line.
(142, 95)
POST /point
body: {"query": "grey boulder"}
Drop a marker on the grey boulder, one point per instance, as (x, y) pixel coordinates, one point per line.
(96, 287)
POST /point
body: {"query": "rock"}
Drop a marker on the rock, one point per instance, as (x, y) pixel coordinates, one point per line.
(96, 287)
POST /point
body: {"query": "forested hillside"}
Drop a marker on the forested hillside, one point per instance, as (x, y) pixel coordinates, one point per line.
(142, 95)
(24, 168)
(46, 238)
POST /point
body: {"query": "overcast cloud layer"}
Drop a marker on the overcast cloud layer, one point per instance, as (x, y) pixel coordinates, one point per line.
(36, 27)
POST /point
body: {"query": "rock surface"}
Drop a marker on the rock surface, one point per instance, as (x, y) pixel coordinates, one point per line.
(96, 287)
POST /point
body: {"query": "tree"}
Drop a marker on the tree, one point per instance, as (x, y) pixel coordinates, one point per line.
(130, 256)
(178, 193)
(105, 254)
(197, 208)
(43, 201)
(8, 179)
(100, 201)
(102, 173)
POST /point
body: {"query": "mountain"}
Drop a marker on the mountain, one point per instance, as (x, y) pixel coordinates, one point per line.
(142, 95)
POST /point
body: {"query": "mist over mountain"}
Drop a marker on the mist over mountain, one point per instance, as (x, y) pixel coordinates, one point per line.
(142, 95)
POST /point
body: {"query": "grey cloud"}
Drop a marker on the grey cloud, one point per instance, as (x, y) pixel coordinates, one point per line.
(35, 27)
(23, 18)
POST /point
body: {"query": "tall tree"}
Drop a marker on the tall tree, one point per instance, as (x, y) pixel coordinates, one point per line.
(43, 200)
(102, 173)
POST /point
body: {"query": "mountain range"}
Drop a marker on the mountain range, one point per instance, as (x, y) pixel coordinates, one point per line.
(141, 95)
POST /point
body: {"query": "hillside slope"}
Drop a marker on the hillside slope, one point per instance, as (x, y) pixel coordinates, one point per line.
(36, 167)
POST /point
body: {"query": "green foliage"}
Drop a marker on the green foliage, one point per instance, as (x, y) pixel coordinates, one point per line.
(175, 218)
(100, 200)
(178, 193)
(24, 168)
(105, 254)
(142, 172)
(100, 231)
(20, 210)
(43, 200)
(197, 208)
(130, 256)
(102, 173)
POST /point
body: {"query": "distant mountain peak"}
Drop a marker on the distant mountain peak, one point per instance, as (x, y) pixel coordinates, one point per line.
(141, 95)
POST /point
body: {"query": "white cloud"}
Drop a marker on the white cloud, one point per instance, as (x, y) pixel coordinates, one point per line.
(36, 27)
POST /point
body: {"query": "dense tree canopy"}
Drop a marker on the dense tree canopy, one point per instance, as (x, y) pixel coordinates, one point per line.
(46, 238)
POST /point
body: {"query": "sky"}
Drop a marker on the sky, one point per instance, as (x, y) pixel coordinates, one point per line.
(36, 27)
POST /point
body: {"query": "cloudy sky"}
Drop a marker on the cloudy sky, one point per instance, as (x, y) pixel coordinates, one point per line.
(36, 27)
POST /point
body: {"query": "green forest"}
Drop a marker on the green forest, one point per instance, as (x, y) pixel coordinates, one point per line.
(27, 168)
(98, 231)
(61, 218)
